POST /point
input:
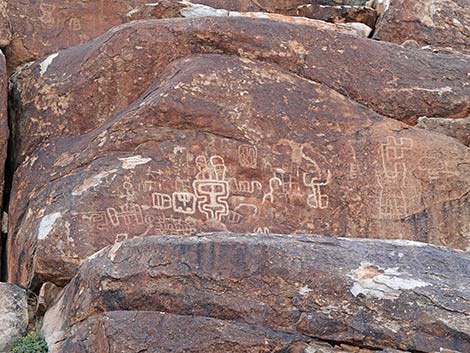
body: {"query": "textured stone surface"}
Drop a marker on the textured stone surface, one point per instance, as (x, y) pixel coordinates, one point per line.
(402, 84)
(457, 128)
(439, 23)
(40, 28)
(223, 143)
(129, 332)
(153, 332)
(13, 314)
(340, 14)
(393, 294)
(3, 130)
(5, 32)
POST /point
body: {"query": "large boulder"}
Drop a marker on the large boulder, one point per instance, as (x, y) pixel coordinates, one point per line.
(339, 14)
(439, 23)
(33, 29)
(224, 143)
(89, 83)
(13, 314)
(370, 293)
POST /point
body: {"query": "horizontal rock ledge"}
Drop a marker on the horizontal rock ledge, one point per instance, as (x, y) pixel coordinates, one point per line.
(395, 294)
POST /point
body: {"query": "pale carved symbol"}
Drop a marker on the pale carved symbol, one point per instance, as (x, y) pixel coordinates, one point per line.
(184, 202)
(161, 201)
(47, 16)
(128, 214)
(435, 168)
(211, 188)
(392, 200)
(247, 156)
(315, 182)
(98, 219)
(262, 230)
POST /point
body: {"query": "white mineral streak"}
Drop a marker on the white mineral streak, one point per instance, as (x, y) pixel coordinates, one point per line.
(132, 162)
(48, 61)
(46, 224)
(196, 10)
(383, 284)
(92, 181)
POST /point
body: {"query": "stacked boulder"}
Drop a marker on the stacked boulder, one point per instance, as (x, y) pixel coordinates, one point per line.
(237, 176)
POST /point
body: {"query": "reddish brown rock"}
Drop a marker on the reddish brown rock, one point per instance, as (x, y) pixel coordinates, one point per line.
(439, 23)
(372, 293)
(402, 84)
(5, 32)
(457, 128)
(3, 131)
(340, 14)
(223, 143)
(40, 28)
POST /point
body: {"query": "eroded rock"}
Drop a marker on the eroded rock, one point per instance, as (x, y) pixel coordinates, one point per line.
(340, 14)
(402, 84)
(392, 294)
(223, 143)
(457, 128)
(13, 314)
(4, 133)
(439, 23)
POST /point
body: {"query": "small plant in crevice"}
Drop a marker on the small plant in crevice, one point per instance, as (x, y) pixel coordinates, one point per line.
(33, 342)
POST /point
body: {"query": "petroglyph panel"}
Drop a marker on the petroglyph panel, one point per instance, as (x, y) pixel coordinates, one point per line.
(228, 144)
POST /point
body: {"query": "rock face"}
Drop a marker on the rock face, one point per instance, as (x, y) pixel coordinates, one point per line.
(13, 314)
(402, 84)
(3, 127)
(401, 295)
(340, 14)
(41, 28)
(439, 23)
(142, 331)
(457, 128)
(223, 143)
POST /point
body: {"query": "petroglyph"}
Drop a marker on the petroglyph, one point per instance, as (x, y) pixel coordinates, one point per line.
(392, 177)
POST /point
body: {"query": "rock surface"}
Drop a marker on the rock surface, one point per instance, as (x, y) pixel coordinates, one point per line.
(223, 143)
(439, 23)
(4, 133)
(457, 128)
(402, 84)
(13, 314)
(393, 294)
(154, 332)
(340, 14)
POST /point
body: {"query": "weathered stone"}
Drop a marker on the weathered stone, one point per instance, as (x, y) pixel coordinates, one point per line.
(402, 84)
(223, 143)
(129, 332)
(189, 10)
(457, 128)
(154, 332)
(13, 314)
(5, 32)
(340, 14)
(3, 130)
(439, 23)
(340, 2)
(396, 294)
(40, 28)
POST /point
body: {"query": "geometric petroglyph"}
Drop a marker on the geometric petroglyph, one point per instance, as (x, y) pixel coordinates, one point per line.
(392, 178)
(247, 156)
